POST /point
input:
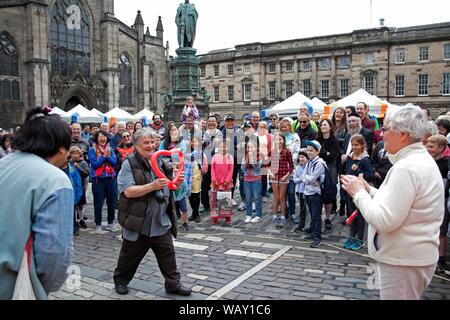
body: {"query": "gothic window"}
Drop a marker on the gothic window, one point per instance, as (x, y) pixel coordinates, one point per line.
(9, 70)
(126, 81)
(71, 38)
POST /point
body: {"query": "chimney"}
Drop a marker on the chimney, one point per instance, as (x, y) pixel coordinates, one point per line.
(382, 22)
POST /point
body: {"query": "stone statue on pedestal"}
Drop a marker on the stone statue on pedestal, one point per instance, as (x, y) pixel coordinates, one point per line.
(186, 20)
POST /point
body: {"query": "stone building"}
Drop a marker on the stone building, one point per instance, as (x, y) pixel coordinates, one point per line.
(402, 65)
(68, 52)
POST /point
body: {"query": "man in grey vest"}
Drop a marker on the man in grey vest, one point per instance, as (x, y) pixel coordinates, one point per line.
(147, 215)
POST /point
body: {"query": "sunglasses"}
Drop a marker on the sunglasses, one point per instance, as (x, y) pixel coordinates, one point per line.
(304, 121)
(127, 136)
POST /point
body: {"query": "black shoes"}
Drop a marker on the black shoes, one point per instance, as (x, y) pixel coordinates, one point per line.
(195, 219)
(328, 224)
(185, 227)
(83, 224)
(316, 243)
(122, 289)
(299, 228)
(180, 291)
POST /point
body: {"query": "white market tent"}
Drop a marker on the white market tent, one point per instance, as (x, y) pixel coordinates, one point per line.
(57, 111)
(82, 115)
(290, 106)
(119, 115)
(98, 112)
(144, 113)
(377, 107)
(318, 105)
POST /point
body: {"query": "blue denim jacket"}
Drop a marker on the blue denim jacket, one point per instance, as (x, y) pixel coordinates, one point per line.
(255, 169)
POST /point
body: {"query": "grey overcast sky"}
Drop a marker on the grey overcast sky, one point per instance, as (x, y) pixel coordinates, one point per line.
(224, 24)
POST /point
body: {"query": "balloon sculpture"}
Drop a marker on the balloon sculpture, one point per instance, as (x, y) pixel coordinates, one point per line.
(352, 217)
(154, 162)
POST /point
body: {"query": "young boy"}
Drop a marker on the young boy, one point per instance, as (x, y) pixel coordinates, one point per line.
(300, 189)
(436, 146)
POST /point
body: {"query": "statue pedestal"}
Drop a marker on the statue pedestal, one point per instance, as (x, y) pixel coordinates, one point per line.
(185, 75)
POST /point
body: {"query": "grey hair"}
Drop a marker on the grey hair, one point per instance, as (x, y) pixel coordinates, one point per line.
(121, 123)
(408, 119)
(263, 122)
(144, 133)
(431, 129)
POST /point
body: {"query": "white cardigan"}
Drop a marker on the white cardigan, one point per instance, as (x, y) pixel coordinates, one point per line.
(407, 211)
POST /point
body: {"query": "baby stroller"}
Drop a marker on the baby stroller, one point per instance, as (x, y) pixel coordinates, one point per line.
(221, 206)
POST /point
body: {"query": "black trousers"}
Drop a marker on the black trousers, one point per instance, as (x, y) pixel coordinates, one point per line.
(194, 201)
(235, 176)
(132, 254)
(206, 186)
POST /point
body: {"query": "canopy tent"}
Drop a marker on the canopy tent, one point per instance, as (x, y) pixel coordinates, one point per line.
(145, 116)
(57, 111)
(318, 105)
(290, 106)
(377, 107)
(82, 115)
(98, 112)
(118, 114)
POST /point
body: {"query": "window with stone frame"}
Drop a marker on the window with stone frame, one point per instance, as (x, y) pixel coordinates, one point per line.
(247, 90)
(344, 88)
(216, 93)
(369, 84)
(423, 54)
(272, 90)
(70, 38)
(400, 86)
(400, 56)
(423, 85)
(272, 67)
(344, 62)
(216, 70)
(247, 68)
(289, 88)
(307, 65)
(446, 51)
(306, 84)
(325, 64)
(9, 70)
(289, 66)
(202, 71)
(325, 88)
(446, 84)
(230, 93)
(125, 81)
(370, 58)
(230, 69)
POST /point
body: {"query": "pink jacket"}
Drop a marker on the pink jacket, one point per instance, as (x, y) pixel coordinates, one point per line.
(222, 170)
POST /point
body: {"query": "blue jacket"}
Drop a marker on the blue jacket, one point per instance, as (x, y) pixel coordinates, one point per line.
(256, 168)
(364, 166)
(75, 179)
(101, 161)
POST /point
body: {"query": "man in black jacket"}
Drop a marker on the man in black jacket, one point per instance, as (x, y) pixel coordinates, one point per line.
(305, 131)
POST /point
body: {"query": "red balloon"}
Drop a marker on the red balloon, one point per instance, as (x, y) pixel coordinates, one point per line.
(154, 162)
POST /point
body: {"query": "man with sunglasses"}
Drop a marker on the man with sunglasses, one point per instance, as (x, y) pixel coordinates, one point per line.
(124, 149)
(305, 131)
(274, 123)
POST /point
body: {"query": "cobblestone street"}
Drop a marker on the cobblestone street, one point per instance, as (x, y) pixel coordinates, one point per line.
(236, 262)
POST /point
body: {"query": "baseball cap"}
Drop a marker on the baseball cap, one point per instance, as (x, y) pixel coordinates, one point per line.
(247, 124)
(230, 117)
(315, 144)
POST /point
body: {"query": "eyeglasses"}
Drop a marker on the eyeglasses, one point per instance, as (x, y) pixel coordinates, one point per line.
(127, 136)
(304, 121)
(273, 118)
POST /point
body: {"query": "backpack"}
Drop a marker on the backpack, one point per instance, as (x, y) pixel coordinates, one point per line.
(328, 189)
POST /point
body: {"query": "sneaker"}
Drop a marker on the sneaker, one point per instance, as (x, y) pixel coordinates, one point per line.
(85, 218)
(356, 245)
(98, 230)
(316, 243)
(248, 219)
(83, 225)
(242, 207)
(328, 224)
(203, 210)
(348, 243)
(254, 207)
(185, 227)
(308, 230)
(233, 203)
(299, 228)
(197, 219)
(192, 218)
(282, 223)
(111, 228)
(275, 219)
(256, 220)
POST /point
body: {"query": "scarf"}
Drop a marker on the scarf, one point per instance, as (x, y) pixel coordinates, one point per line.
(106, 167)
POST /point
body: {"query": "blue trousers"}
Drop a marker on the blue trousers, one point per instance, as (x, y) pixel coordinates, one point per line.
(253, 194)
(291, 199)
(104, 188)
(315, 205)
